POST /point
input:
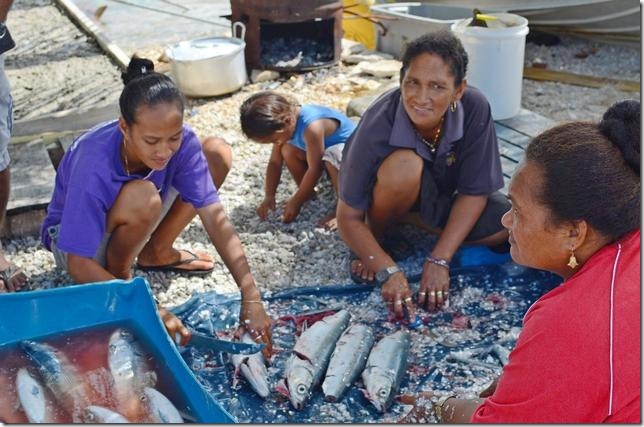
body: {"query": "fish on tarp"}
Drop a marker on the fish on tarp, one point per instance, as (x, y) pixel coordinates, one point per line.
(252, 367)
(310, 358)
(59, 376)
(33, 399)
(100, 415)
(130, 370)
(347, 361)
(160, 409)
(386, 368)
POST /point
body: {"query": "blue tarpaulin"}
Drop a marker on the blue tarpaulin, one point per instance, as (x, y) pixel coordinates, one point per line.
(452, 350)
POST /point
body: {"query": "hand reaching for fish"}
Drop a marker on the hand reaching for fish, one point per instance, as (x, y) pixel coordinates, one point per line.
(397, 296)
(433, 292)
(423, 407)
(179, 333)
(254, 320)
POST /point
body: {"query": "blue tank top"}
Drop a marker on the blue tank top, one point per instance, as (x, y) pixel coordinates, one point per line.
(311, 113)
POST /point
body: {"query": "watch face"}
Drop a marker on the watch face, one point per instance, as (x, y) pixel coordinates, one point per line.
(382, 275)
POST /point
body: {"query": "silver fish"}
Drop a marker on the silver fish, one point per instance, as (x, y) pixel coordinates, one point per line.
(311, 355)
(253, 368)
(100, 415)
(386, 368)
(348, 360)
(58, 374)
(160, 407)
(31, 395)
(128, 366)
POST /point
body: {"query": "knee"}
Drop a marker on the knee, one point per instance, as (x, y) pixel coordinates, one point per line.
(290, 152)
(140, 201)
(401, 171)
(218, 150)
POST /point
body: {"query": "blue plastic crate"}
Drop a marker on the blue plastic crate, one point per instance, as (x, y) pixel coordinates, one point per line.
(45, 314)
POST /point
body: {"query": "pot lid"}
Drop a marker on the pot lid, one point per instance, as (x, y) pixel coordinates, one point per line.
(192, 50)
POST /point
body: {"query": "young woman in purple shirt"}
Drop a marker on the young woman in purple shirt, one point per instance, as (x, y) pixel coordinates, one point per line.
(424, 153)
(115, 198)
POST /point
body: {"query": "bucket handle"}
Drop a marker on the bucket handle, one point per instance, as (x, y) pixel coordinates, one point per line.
(243, 30)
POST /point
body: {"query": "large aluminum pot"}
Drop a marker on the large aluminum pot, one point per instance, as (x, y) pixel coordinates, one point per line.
(209, 66)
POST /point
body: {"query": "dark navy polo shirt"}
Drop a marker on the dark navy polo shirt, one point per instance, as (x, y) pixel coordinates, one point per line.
(467, 160)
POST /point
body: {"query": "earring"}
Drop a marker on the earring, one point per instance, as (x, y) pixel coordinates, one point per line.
(572, 262)
(452, 106)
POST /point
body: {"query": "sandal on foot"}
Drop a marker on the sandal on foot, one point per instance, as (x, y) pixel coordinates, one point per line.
(175, 267)
(8, 273)
(355, 276)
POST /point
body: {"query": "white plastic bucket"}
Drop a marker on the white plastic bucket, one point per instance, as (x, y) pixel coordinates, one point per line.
(496, 60)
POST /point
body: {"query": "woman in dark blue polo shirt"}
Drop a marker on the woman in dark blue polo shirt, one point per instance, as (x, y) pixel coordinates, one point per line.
(424, 153)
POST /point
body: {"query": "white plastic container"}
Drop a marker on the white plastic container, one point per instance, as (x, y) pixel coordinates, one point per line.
(496, 60)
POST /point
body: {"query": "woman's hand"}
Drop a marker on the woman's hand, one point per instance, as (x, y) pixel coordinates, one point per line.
(174, 327)
(396, 295)
(268, 204)
(291, 209)
(434, 286)
(422, 410)
(253, 318)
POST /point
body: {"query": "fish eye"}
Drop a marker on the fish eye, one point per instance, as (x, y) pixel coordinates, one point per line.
(382, 392)
(143, 398)
(301, 389)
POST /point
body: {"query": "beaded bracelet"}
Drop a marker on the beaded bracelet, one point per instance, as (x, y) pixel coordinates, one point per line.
(437, 261)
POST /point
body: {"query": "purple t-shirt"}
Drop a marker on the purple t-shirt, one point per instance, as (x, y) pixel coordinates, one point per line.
(467, 160)
(90, 176)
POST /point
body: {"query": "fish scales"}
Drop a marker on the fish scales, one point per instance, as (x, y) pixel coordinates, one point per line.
(348, 361)
(386, 368)
(311, 355)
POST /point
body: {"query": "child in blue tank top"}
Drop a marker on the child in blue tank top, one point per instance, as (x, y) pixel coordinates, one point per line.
(307, 138)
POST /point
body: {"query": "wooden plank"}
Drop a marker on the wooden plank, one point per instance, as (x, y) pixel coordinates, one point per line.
(63, 121)
(510, 150)
(511, 136)
(32, 176)
(508, 166)
(528, 123)
(544, 74)
(112, 49)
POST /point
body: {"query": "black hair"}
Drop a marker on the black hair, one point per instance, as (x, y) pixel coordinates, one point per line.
(591, 171)
(144, 86)
(442, 43)
(264, 113)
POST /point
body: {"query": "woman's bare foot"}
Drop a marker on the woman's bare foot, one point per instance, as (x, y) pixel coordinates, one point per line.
(328, 221)
(359, 270)
(176, 260)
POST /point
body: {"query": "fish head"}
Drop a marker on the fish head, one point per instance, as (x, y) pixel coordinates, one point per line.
(379, 392)
(299, 382)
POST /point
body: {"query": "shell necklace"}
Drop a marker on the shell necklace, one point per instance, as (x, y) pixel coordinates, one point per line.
(433, 145)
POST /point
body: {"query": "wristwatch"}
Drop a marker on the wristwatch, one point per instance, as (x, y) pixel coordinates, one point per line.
(383, 275)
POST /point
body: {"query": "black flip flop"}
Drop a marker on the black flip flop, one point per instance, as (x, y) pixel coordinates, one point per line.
(355, 276)
(174, 267)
